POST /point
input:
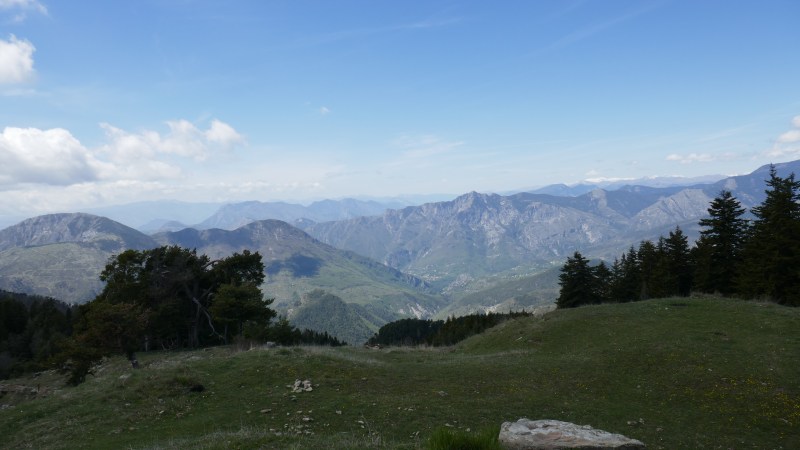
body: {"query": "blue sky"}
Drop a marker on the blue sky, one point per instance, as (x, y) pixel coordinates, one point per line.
(108, 102)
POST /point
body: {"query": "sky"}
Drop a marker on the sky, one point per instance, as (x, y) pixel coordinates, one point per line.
(111, 102)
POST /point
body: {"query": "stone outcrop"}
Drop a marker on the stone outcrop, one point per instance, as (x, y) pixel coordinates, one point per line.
(527, 434)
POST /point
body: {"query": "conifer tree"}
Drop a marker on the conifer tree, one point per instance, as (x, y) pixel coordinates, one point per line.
(650, 270)
(603, 279)
(772, 251)
(678, 263)
(578, 283)
(626, 284)
(718, 251)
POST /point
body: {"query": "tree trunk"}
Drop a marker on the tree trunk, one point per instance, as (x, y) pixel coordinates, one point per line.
(195, 327)
(133, 360)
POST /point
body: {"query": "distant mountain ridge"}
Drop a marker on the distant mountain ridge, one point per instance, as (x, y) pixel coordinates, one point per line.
(583, 187)
(235, 215)
(73, 227)
(148, 216)
(479, 234)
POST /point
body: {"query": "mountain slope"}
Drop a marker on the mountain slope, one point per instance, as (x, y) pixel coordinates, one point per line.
(295, 264)
(475, 234)
(529, 293)
(349, 322)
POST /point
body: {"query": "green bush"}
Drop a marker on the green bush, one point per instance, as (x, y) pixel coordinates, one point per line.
(450, 439)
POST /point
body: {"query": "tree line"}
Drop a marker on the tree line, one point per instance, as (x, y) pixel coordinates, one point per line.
(159, 299)
(32, 329)
(436, 333)
(756, 258)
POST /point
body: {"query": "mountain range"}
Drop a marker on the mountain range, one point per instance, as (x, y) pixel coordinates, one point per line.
(476, 235)
(369, 264)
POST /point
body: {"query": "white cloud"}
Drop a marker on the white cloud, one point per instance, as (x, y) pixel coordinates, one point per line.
(16, 60)
(51, 170)
(52, 157)
(223, 134)
(788, 143)
(789, 136)
(20, 8)
(784, 151)
(416, 147)
(183, 139)
(55, 157)
(691, 158)
(324, 111)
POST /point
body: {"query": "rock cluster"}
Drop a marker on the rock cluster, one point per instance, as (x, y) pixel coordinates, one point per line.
(301, 386)
(527, 434)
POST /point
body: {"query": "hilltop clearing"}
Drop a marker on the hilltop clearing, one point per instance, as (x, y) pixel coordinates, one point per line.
(674, 373)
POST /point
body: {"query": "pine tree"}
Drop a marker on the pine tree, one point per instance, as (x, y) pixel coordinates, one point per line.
(626, 285)
(718, 251)
(603, 279)
(678, 262)
(578, 283)
(772, 251)
(650, 273)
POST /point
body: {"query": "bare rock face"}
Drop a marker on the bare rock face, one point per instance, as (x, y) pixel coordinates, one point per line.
(527, 434)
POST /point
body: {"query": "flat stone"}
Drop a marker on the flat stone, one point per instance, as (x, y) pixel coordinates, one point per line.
(527, 434)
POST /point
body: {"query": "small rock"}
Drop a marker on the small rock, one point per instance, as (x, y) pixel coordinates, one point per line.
(265, 410)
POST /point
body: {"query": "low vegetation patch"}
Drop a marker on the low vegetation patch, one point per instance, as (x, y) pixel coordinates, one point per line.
(449, 439)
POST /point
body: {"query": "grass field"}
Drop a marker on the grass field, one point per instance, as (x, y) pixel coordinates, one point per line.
(675, 373)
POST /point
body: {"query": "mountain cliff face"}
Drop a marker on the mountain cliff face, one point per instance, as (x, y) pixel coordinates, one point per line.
(475, 234)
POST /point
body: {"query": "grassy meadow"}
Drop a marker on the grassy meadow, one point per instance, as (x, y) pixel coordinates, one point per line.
(675, 373)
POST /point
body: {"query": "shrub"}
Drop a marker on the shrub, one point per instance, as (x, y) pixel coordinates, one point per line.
(450, 439)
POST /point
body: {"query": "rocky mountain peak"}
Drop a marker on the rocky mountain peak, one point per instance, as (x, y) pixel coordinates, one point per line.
(71, 227)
